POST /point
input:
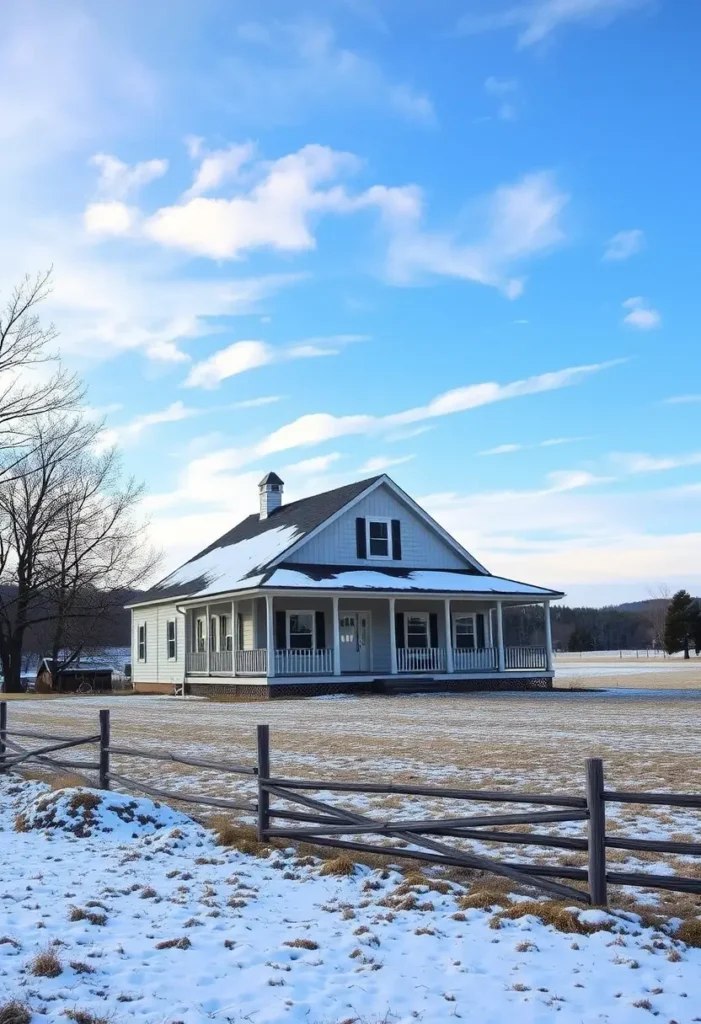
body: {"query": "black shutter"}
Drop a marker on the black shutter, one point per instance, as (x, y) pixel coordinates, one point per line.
(360, 539)
(280, 631)
(433, 629)
(479, 639)
(399, 629)
(396, 540)
(320, 623)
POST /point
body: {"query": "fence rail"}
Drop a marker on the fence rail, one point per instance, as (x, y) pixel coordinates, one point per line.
(310, 819)
(421, 659)
(471, 659)
(525, 657)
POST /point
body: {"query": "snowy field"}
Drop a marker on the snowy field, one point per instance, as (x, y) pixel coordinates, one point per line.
(128, 912)
(649, 740)
(614, 669)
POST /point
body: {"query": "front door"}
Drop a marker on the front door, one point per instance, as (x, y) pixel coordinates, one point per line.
(355, 641)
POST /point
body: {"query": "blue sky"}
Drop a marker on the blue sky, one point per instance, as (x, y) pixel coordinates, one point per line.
(455, 241)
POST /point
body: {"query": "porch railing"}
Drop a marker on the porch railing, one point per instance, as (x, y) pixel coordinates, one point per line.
(525, 657)
(420, 659)
(475, 659)
(252, 663)
(221, 662)
(196, 663)
(304, 663)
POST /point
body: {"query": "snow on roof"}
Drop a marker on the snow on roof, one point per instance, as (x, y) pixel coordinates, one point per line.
(229, 568)
(411, 579)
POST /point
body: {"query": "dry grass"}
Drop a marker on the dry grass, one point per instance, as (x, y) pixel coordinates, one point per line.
(183, 943)
(302, 944)
(690, 932)
(92, 916)
(15, 1012)
(45, 964)
(233, 834)
(483, 899)
(85, 1017)
(559, 915)
(341, 865)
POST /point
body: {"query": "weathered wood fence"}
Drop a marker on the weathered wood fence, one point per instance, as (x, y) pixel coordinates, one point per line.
(320, 823)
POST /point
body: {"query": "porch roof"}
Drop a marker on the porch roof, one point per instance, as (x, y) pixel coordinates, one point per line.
(392, 578)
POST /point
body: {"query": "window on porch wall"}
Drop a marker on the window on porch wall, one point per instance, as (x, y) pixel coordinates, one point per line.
(300, 631)
(224, 633)
(464, 632)
(417, 630)
(199, 637)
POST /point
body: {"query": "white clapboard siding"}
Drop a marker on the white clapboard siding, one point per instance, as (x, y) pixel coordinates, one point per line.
(157, 668)
(422, 548)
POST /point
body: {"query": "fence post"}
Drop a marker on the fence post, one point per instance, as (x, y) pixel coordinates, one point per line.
(104, 780)
(3, 733)
(596, 805)
(263, 736)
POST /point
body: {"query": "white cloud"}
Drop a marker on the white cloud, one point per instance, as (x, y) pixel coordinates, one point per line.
(118, 180)
(505, 90)
(219, 166)
(520, 221)
(129, 433)
(535, 20)
(319, 464)
(254, 403)
(681, 400)
(316, 427)
(551, 442)
(624, 245)
(249, 355)
(639, 462)
(380, 463)
(110, 218)
(640, 314)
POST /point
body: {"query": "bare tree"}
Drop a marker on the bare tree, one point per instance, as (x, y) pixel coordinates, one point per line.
(26, 391)
(660, 596)
(70, 542)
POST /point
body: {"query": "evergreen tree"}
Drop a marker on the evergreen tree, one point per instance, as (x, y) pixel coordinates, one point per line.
(682, 628)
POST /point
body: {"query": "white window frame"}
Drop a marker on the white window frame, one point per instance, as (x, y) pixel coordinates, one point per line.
(388, 523)
(426, 616)
(174, 641)
(200, 634)
(213, 631)
(225, 635)
(464, 615)
(300, 611)
(141, 643)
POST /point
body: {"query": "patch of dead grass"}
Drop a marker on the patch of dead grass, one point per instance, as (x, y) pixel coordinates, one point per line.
(560, 915)
(45, 964)
(15, 1012)
(182, 943)
(689, 931)
(302, 944)
(341, 865)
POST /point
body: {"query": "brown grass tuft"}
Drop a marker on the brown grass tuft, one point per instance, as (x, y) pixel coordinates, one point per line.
(85, 1017)
(45, 964)
(243, 838)
(483, 899)
(15, 1012)
(689, 931)
(84, 801)
(80, 968)
(183, 943)
(21, 823)
(551, 912)
(341, 865)
(93, 916)
(302, 944)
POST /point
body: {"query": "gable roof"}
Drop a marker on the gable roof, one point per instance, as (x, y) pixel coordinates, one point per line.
(238, 559)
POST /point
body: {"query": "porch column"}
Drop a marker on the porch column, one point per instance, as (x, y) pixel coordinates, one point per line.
(548, 638)
(207, 637)
(336, 637)
(488, 631)
(501, 661)
(234, 637)
(392, 638)
(448, 638)
(270, 634)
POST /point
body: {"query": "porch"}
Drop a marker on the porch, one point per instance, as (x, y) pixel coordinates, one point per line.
(293, 637)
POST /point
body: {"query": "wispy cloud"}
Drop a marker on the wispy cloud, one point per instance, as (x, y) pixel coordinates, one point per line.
(535, 20)
(624, 245)
(640, 462)
(254, 403)
(380, 463)
(119, 180)
(681, 400)
(505, 90)
(318, 464)
(551, 442)
(218, 166)
(249, 355)
(641, 314)
(317, 427)
(130, 432)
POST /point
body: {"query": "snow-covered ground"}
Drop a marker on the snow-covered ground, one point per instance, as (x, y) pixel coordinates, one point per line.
(150, 921)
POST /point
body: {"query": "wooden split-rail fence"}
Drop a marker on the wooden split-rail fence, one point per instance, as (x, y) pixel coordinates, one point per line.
(321, 823)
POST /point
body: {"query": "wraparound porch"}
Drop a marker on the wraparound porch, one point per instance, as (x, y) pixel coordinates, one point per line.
(295, 637)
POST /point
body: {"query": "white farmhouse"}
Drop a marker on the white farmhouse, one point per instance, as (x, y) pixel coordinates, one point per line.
(355, 589)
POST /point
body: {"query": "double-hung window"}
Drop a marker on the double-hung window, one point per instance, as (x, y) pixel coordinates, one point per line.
(200, 636)
(142, 642)
(417, 632)
(378, 538)
(300, 631)
(213, 633)
(464, 632)
(224, 633)
(171, 640)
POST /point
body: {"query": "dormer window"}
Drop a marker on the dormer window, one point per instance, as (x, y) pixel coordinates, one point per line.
(378, 537)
